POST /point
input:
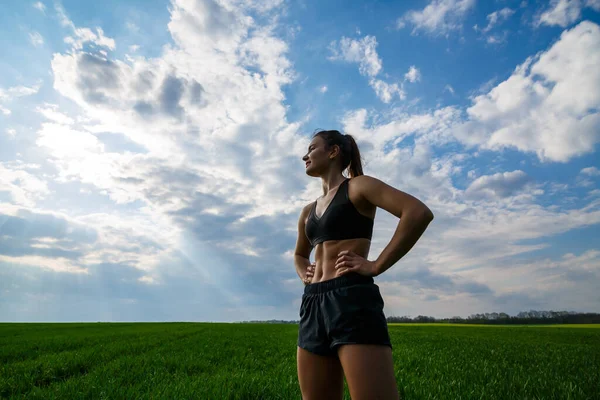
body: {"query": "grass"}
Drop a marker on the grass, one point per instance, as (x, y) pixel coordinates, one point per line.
(258, 361)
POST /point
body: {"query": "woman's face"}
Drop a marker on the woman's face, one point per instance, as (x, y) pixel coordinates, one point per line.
(317, 159)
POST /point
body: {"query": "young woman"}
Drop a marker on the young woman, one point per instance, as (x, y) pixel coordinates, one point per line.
(343, 330)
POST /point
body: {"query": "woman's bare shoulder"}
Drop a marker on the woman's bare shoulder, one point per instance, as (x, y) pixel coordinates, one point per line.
(364, 179)
(306, 209)
(365, 183)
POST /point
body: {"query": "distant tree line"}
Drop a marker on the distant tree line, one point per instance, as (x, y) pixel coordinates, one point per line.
(271, 321)
(523, 318)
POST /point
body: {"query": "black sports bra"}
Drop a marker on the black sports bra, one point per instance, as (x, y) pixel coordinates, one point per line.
(341, 220)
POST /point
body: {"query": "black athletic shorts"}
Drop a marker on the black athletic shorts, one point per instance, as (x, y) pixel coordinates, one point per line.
(344, 310)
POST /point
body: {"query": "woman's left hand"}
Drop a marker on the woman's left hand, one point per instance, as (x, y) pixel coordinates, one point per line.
(350, 262)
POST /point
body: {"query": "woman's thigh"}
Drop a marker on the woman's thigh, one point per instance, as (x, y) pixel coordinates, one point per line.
(320, 377)
(369, 371)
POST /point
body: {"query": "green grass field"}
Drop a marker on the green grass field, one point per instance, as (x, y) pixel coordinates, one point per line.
(258, 361)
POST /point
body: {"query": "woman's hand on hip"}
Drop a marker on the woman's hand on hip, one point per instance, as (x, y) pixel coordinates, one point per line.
(348, 261)
(310, 272)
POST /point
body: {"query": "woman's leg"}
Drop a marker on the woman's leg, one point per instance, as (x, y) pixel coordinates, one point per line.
(369, 371)
(320, 377)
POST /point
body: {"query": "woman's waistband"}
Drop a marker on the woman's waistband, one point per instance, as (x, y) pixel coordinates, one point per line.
(349, 279)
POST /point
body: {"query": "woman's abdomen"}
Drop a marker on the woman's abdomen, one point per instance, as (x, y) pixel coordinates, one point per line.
(326, 255)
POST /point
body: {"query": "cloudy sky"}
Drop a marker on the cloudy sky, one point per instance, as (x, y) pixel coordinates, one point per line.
(150, 152)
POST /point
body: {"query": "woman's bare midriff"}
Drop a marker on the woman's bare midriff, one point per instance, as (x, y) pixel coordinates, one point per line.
(326, 255)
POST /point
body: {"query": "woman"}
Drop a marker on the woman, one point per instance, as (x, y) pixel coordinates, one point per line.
(343, 330)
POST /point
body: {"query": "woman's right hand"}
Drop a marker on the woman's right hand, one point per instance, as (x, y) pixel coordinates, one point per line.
(310, 272)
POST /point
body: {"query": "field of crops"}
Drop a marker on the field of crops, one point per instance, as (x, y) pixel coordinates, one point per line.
(258, 361)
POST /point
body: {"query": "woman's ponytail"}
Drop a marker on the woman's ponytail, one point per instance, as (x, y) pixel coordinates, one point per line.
(355, 167)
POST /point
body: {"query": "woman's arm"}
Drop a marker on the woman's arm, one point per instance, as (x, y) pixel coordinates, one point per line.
(303, 250)
(414, 218)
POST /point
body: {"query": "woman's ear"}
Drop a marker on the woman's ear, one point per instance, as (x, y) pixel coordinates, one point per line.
(334, 152)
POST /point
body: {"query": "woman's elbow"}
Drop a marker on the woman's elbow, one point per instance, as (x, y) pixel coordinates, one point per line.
(419, 212)
(425, 214)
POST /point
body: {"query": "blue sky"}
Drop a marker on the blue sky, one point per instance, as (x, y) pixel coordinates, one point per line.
(150, 152)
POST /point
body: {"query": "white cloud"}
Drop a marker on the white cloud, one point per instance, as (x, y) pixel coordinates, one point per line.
(449, 88)
(591, 171)
(11, 132)
(593, 4)
(581, 181)
(593, 193)
(83, 35)
(549, 104)
(63, 142)
(561, 12)
(208, 24)
(432, 126)
(438, 18)
(40, 6)
(483, 229)
(323, 89)
(564, 12)
(17, 91)
(132, 27)
(24, 188)
(56, 264)
(20, 91)
(413, 74)
(221, 85)
(496, 18)
(502, 184)
(11, 93)
(386, 91)
(36, 39)
(49, 111)
(362, 52)
(483, 225)
(62, 16)
(78, 245)
(549, 283)
(497, 39)
(120, 237)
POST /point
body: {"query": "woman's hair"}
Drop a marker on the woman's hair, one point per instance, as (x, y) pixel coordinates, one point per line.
(349, 150)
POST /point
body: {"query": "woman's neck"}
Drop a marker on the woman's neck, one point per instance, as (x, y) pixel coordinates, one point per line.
(330, 182)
